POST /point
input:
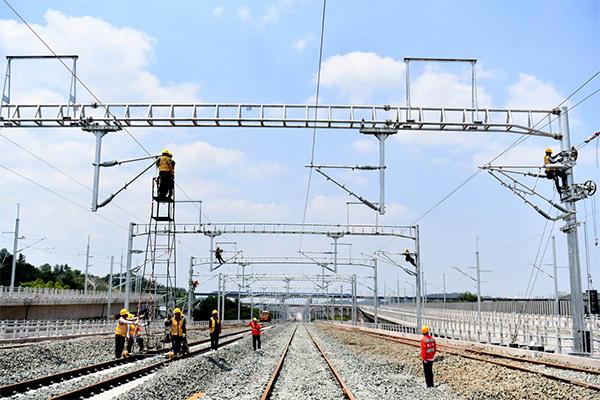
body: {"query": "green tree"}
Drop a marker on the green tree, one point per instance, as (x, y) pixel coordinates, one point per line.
(467, 297)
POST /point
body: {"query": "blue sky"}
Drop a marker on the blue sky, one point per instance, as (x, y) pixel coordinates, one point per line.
(530, 54)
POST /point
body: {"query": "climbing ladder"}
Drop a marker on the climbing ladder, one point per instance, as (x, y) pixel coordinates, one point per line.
(159, 270)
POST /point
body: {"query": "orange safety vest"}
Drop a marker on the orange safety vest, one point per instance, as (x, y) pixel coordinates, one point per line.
(255, 328)
(121, 328)
(165, 164)
(132, 329)
(177, 327)
(428, 348)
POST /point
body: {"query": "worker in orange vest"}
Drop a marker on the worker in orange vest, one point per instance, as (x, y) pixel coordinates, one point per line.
(555, 173)
(178, 330)
(256, 332)
(428, 348)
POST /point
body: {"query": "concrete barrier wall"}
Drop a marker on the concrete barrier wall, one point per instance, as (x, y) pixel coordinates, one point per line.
(57, 311)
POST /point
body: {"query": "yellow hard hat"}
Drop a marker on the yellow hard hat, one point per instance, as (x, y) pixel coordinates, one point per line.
(215, 312)
(130, 315)
(424, 329)
(548, 150)
(166, 151)
(255, 319)
(176, 311)
(123, 311)
(406, 251)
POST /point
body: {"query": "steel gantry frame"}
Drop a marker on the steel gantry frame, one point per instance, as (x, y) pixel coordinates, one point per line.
(382, 120)
(350, 279)
(323, 262)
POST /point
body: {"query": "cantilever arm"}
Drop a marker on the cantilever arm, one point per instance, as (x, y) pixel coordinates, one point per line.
(112, 196)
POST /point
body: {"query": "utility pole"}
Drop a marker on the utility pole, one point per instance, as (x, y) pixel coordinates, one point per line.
(375, 293)
(478, 275)
(444, 284)
(15, 250)
(128, 271)
(121, 272)
(110, 286)
(87, 266)
(555, 273)
(191, 290)
(570, 228)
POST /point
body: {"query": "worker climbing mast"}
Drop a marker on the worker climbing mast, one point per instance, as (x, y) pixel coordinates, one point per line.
(159, 270)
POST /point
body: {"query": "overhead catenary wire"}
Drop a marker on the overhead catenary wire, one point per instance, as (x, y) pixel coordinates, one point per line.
(60, 195)
(314, 135)
(517, 142)
(60, 171)
(86, 87)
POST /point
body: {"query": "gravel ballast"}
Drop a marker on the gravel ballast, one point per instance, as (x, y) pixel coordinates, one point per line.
(305, 375)
(371, 377)
(37, 360)
(467, 378)
(232, 372)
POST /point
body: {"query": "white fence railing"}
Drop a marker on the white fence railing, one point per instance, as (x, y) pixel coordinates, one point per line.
(507, 329)
(47, 329)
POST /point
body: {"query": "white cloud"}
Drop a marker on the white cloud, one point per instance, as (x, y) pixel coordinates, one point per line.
(218, 11)
(334, 210)
(244, 13)
(199, 155)
(360, 76)
(301, 43)
(127, 51)
(262, 170)
(364, 146)
(438, 88)
(531, 93)
(246, 210)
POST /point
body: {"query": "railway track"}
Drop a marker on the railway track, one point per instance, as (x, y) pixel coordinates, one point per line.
(504, 360)
(276, 373)
(37, 383)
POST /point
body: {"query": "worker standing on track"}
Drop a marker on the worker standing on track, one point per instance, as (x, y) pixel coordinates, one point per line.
(178, 330)
(214, 325)
(166, 175)
(121, 331)
(428, 348)
(256, 332)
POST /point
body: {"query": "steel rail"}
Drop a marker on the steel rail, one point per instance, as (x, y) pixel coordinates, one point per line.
(36, 383)
(271, 384)
(464, 353)
(110, 383)
(347, 393)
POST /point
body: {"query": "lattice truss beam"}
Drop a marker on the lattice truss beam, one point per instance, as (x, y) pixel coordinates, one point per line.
(254, 115)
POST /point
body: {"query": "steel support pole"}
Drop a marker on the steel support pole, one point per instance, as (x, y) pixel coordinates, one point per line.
(570, 229)
(121, 272)
(110, 287)
(418, 278)
(353, 299)
(589, 286)
(408, 113)
(87, 266)
(444, 284)
(128, 267)
(555, 272)
(223, 298)
(190, 299)
(478, 272)
(239, 309)
(99, 134)
(382, 138)
(219, 295)
(15, 251)
(375, 292)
